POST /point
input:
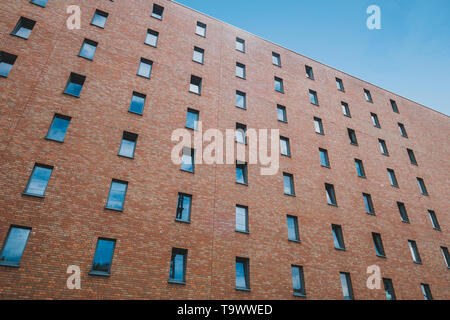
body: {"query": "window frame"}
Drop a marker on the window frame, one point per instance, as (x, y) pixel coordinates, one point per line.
(338, 237)
(242, 43)
(301, 292)
(378, 244)
(192, 155)
(77, 79)
(403, 212)
(284, 112)
(7, 59)
(340, 87)
(25, 23)
(154, 34)
(295, 226)
(389, 289)
(244, 99)
(422, 186)
(281, 85)
(313, 96)
(360, 168)
(246, 268)
(194, 112)
(109, 207)
(247, 229)
(368, 204)
(139, 95)
(241, 67)
(326, 158)
(200, 26)
(40, 165)
(92, 43)
(155, 9)
(144, 61)
(101, 13)
(201, 52)
(291, 183)
(180, 200)
(195, 81)
(414, 251)
(172, 268)
(276, 56)
(128, 136)
(5, 263)
(240, 165)
(348, 284)
(94, 272)
(331, 195)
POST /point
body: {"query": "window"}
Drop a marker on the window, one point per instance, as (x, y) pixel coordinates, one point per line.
(242, 274)
(41, 3)
(389, 289)
(279, 85)
(426, 291)
(241, 100)
(184, 207)
(313, 97)
(74, 84)
(58, 128)
(446, 256)
(128, 145)
(14, 246)
(152, 38)
(241, 131)
(241, 172)
(6, 62)
(99, 18)
(402, 129)
(187, 160)
(411, 156)
(195, 85)
(340, 85)
(281, 113)
(288, 180)
(309, 72)
(392, 177)
(352, 137)
(345, 109)
(157, 11)
(116, 196)
(338, 237)
(199, 54)
(394, 106)
(192, 119)
(298, 281)
(403, 214)
(360, 168)
(368, 203)
(368, 95)
(101, 266)
(145, 68)
(414, 251)
(375, 121)
(88, 49)
(346, 283)
(240, 70)
(379, 249)
(240, 45)
(318, 125)
(434, 220)
(37, 184)
(423, 188)
(276, 59)
(178, 263)
(331, 195)
(23, 28)
(292, 224)
(324, 160)
(383, 147)
(137, 103)
(285, 147)
(200, 29)
(241, 219)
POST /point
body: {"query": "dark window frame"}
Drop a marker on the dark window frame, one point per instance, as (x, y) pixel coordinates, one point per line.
(13, 264)
(23, 23)
(179, 212)
(129, 136)
(77, 79)
(102, 14)
(378, 244)
(40, 165)
(175, 252)
(338, 237)
(157, 11)
(331, 195)
(59, 116)
(94, 272)
(108, 207)
(301, 292)
(246, 267)
(296, 229)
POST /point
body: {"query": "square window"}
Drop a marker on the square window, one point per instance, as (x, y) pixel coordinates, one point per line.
(279, 85)
(151, 38)
(41, 3)
(6, 62)
(199, 54)
(345, 109)
(74, 84)
(426, 291)
(145, 68)
(14, 246)
(368, 204)
(240, 45)
(394, 106)
(178, 263)
(402, 129)
(116, 196)
(23, 28)
(379, 249)
(375, 121)
(241, 172)
(444, 251)
(338, 237)
(192, 119)
(285, 147)
(318, 126)
(331, 195)
(383, 147)
(360, 168)
(241, 133)
(88, 49)
(411, 156)
(313, 97)
(423, 188)
(242, 274)
(101, 265)
(403, 213)
(298, 281)
(292, 224)
(392, 178)
(324, 161)
(339, 84)
(200, 29)
(276, 59)
(195, 85)
(346, 283)
(241, 100)
(128, 145)
(414, 251)
(240, 70)
(281, 113)
(242, 219)
(187, 160)
(184, 207)
(157, 11)
(39, 178)
(434, 220)
(389, 289)
(58, 128)
(99, 18)
(309, 72)
(288, 181)
(137, 103)
(368, 95)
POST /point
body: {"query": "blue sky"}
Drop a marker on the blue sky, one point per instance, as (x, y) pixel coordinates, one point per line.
(409, 56)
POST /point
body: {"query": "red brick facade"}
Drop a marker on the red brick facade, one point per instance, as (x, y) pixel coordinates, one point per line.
(67, 222)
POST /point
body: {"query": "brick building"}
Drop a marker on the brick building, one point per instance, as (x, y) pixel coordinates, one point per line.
(87, 178)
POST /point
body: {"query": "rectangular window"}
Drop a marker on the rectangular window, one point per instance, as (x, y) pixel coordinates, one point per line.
(379, 249)
(242, 273)
(240, 45)
(178, 263)
(279, 85)
(241, 132)
(281, 113)
(192, 119)
(199, 54)
(368, 95)
(187, 160)
(242, 219)
(434, 220)
(88, 49)
(116, 196)
(195, 85)
(292, 224)
(346, 283)
(240, 70)
(276, 59)
(368, 203)
(411, 156)
(39, 178)
(288, 180)
(394, 106)
(402, 129)
(383, 147)
(151, 38)
(309, 72)
(352, 137)
(101, 265)
(41, 3)
(298, 281)
(324, 160)
(403, 213)
(340, 85)
(58, 128)
(241, 100)
(145, 68)
(389, 289)
(99, 18)
(285, 146)
(414, 251)
(241, 172)
(331, 195)
(446, 256)
(392, 178)
(23, 28)
(14, 246)
(157, 11)
(137, 103)
(313, 97)
(318, 126)
(6, 62)
(375, 121)
(426, 291)
(200, 29)
(74, 84)
(338, 237)
(423, 188)
(128, 145)
(345, 109)
(360, 168)
(184, 207)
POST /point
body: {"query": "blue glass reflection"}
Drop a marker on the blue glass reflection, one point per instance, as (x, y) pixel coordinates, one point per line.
(116, 196)
(58, 129)
(38, 181)
(103, 256)
(14, 246)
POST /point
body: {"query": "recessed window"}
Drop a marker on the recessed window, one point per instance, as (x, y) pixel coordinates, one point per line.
(383, 147)
(288, 181)
(184, 207)
(41, 3)
(178, 263)
(331, 195)
(389, 289)
(309, 72)
(240, 45)
(39, 178)
(423, 188)
(241, 100)
(101, 265)
(392, 178)
(276, 59)
(14, 246)
(200, 29)
(346, 284)
(58, 128)
(281, 113)
(241, 132)
(157, 11)
(242, 274)
(394, 106)
(292, 224)
(99, 18)
(285, 147)
(426, 291)
(88, 49)
(241, 172)
(137, 103)
(414, 251)
(192, 119)
(338, 237)
(378, 243)
(6, 62)
(402, 129)
(318, 126)
(128, 145)
(375, 121)
(346, 109)
(195, 85)
(360, 168)
(352, 137)
(23, 28)
(187, 159)
(411, 156)
(279, 85)
(151, 38)
(116, 196)
(339, 84)
(434, 220)
(199, 55)
(298, 281)
(367, 95)
(446, 256)
(324, 160)
(240, 70)
(74, 84)
(145, 68)
(241, 219)
(313, 97)
(368, 203)
(403, 213)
